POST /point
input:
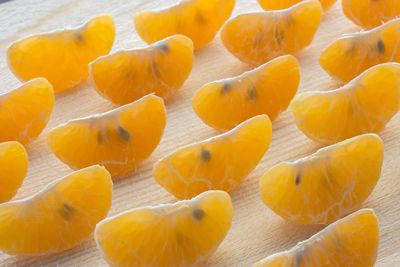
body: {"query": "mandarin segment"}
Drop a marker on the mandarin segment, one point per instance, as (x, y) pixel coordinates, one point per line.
(59, 217)
(370, 13)
(160, 68)
(13, 168)
(218, 163)
(326, 185)
(364, 105)
(257, 37)
(62, 56)
(267, 89)
(283, 4)
(352, 241)
(350, 55)
(119, 139)
(199, 20)
(184, 233)
(25, 111)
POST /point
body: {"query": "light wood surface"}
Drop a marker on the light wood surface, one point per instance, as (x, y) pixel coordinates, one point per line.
(256, 231)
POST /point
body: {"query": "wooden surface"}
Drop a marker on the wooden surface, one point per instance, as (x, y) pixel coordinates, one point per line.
(256, 231)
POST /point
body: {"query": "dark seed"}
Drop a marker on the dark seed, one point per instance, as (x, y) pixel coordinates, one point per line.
(101, 137)
(154, 69)
(164, 47)
(124, 133)
(66, 212)
(198, 214)
(200, 18)
(252, 93)
(298, 178)
(226, 87)
(205, 155)
(380, 46)
(78, 36)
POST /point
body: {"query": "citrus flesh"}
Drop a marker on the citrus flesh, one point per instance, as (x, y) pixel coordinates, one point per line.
(119, 139)
(199, 20)
(218, 163)
(267, 89)
(62, 57)
(370, 13)
(25, 111)
(347, 57)
(128, 75)
(59, 217)
(352, 241)
(356, 108)
(13, 168)
(326, 185)
(257, 37)
(181, 234)
(283, 4)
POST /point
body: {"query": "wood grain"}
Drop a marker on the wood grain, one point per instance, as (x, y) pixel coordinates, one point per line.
(256, 231)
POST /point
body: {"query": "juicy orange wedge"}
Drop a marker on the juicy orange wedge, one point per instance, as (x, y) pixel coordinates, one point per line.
(364, 105)
(119, 139)
(326, 185)
(218, 163)
(181, 234)
(199, 20)
(282, 4)
(370, 13)
(13, 169)
(59, 217)
(160, 68)
(267, 89)
(351, 241)
(257, 37)
(350, 55)
(25, 111)
(62, 56)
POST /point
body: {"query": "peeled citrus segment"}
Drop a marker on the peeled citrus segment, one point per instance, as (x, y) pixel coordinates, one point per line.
(282, 4)
(13, 169)
(128, 75)
(326, 185)
(199, 20)
(218, 163)
(59, 217)
(370, 13)
(267, 89)
(364, 105)
(350, 55)
(257, 37)
(25, 111)
(62, 56)
(180, 234)
(352, 241)
(119, 139)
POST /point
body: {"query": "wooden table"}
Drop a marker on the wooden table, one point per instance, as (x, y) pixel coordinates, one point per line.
(256, 231)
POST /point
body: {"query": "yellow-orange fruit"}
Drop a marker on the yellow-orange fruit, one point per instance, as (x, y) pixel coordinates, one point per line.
(199, 20)
(257, 37)
(326, 185)
(128, 75)
(119, 139)
(282, 4)
(218, 163)
(267, 89)
(181, 234)
(352, 242)
(25, 111)
(62, 57)
(59, 217)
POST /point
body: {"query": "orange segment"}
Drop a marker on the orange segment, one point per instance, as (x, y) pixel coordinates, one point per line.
(199, 20)
(25, 111)
(13, 169)
(350, 55)
(282, 4)
(218, 163)
(160, 68)
(364, 105)
(370, 13)
(119, 139)
(267, 89)
(181, 234)
(257, 37)
(326, 185)
(352, 241)
(62, 56)
(59, 217)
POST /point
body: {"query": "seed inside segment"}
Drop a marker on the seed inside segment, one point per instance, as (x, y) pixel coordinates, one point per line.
(226, 87)
(380, 46)
(205, 155)
(198, 214)
(124, 134)
(66, 211)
